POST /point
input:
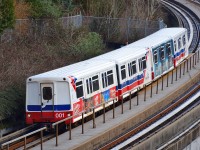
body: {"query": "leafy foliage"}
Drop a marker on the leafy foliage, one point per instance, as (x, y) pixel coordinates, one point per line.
(6, 14)
(89, 45)
(12, 103)
(44, 9)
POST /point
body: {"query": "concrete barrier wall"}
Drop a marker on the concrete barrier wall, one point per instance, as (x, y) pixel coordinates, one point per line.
(99, 140)
(170, 131)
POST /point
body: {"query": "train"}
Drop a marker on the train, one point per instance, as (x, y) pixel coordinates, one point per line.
(68, 91)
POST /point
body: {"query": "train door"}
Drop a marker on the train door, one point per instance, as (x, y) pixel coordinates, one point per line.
(47, 99)
(123, 79)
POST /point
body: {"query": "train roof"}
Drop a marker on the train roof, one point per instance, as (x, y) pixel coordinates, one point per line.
(158, 37)
(78, 70)
(122, 54)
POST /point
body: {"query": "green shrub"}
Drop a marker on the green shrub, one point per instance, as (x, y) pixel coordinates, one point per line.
(6, 14)
(89, 45)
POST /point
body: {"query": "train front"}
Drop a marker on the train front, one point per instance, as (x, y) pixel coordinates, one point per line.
(47, 100)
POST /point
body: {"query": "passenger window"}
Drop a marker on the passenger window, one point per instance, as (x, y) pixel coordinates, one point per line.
(179, 43)
(132, 68)
(142, 63)
(123, 72)
(92, 84)
(162, 54)
(95, 83)
(184, 41)
(175, 46)
(168, 46)
(47, 93)
(155, 56)
(107, 78)
(79, 89)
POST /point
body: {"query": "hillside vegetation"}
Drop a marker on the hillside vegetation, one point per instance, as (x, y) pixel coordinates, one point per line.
(27, 55)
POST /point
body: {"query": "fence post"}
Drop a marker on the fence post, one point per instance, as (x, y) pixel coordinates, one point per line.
(41, 140)
(57, 135)
(151, 89)
(184, 68)
(137, 97)
(104, 116)
(157, 86)
(70, 129)
(144, 92)
(82, 123)
(94, 125)
(172, 77)
(162, 82)
(130, 101)
(187, 65)
(176, 72)
(180, 71)
(167, 78)
(190, 63)
(122, 104)
(25, 143)
(113, 109)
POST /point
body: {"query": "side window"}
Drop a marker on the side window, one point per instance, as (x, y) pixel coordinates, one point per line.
(132, 68)
(179, 43)
(95, 83)
(184, 40)
(142, 63)
(92, 84)
(79, 89)
(168, 47)
(123, 72)
(162, 54)
(155, 57)
(175, 46)
(107, 78)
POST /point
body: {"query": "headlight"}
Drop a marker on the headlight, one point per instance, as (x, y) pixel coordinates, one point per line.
(29, 115)
(68, 115)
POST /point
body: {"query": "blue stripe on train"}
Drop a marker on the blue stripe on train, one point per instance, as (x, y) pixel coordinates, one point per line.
(179, 53)
(129, 82)
(48, 107)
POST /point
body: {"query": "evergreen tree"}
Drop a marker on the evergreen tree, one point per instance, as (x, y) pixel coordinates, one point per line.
(6, 14)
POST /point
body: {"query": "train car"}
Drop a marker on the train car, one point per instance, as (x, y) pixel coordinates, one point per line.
(168, 47)
(70, 90)
(67, 91)
(133, 68)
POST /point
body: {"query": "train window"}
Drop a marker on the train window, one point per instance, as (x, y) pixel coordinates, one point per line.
(88, 87)
(123, 72)
(110, 77)
(179, 43)
(144, 63)
(155, 57)
(184, 41)
(107, 78)
(162, 54)
(132, 68)
(103, 80)
(47, 93)
(175, 46)
(168, 49)
(95, 83)
(79, 89)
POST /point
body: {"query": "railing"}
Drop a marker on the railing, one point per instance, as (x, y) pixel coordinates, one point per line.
(25, 137)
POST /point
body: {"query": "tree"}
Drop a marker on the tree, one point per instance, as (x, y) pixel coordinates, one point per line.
(6, 14)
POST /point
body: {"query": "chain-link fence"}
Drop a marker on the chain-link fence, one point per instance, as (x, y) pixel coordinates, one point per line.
(118, 30)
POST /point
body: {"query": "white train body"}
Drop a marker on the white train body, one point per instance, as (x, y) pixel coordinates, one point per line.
(70, 90)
